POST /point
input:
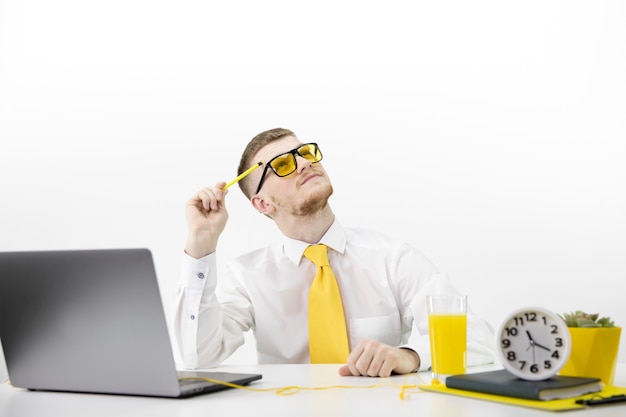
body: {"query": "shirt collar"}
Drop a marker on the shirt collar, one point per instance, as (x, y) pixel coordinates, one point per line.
(335, 238)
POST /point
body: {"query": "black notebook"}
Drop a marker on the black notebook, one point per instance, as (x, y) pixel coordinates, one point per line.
(502, 382)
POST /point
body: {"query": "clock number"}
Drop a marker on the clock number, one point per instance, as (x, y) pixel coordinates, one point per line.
(547, 364)
(534, 368)
(511, 356)
(522, 364)
(511, 331)
(519, 321)
(555, 329)
(506, 343)
(555, 355)
(559, 342)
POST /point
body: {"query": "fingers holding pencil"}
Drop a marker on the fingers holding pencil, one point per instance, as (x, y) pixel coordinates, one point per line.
(211, 197)
(207, 216)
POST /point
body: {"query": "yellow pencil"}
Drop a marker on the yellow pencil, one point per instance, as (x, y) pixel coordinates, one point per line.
(243, 175)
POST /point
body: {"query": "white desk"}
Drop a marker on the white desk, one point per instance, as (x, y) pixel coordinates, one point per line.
(382, 401)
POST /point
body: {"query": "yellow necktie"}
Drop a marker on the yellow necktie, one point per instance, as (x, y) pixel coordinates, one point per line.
(328, 339)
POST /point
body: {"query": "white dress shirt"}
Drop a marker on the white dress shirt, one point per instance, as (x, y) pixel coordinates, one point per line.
(383, 284)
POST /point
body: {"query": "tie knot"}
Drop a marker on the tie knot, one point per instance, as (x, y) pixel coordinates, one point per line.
(318, 254)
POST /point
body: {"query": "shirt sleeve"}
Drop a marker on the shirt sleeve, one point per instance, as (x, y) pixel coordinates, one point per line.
(417, 278)
(202, 335)
(414, 272)
(480, 339)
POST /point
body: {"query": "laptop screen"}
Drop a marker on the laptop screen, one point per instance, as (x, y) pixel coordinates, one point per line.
(85, 320)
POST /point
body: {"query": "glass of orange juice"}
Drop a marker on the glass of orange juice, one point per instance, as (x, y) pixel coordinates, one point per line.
(447, 327)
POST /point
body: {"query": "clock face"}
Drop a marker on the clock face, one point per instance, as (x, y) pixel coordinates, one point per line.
(533, 343)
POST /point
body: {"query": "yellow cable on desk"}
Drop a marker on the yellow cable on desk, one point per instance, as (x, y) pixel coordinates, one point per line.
(294, 389)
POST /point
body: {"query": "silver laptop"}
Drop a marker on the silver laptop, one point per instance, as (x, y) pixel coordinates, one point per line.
(91, 321)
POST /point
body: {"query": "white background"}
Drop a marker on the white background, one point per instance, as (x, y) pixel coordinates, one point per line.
(490, 134)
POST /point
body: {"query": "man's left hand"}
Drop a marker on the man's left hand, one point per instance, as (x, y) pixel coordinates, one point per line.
(373, 358)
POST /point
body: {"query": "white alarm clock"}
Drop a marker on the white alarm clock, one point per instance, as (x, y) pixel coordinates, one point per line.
(533, 343)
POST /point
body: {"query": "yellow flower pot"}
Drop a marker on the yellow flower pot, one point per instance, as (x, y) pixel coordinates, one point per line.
(594, 353)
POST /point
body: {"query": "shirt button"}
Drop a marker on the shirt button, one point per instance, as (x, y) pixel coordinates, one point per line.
(192, 317)
(200, 275)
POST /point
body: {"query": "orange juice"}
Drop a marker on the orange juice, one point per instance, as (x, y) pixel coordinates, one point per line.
(448, 343)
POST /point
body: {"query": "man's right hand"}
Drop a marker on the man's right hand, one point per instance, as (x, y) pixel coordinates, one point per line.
(206, 218)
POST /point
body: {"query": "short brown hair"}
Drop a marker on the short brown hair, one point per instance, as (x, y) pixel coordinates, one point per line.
(255, 144)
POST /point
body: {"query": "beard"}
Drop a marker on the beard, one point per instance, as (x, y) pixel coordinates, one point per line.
(313, 203)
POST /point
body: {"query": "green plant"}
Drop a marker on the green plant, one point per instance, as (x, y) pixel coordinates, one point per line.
(582, 319)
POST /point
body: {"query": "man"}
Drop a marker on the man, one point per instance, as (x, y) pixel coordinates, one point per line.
(383, 282)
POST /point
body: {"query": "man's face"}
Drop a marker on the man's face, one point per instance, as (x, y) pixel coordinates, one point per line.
(304, 191)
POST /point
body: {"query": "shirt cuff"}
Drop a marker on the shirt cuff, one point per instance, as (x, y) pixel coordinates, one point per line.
(195, 273)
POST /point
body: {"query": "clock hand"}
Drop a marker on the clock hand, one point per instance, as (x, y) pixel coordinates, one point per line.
(533, 343)
(541, 346)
